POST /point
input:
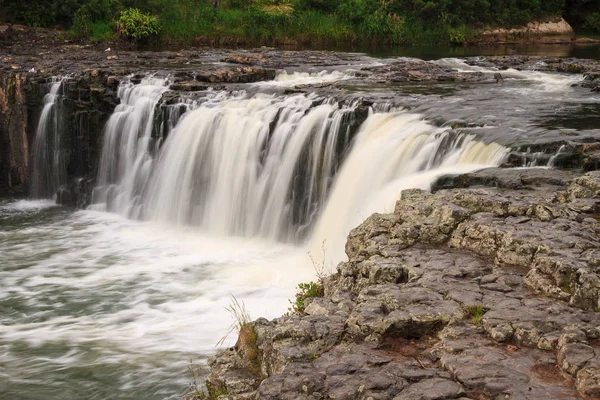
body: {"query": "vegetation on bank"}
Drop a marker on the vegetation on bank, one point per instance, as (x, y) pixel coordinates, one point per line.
(301, 21)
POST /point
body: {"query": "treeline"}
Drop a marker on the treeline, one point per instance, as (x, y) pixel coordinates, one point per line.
(261, 21)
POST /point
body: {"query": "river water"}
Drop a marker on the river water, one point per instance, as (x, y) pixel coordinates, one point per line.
(114, 301)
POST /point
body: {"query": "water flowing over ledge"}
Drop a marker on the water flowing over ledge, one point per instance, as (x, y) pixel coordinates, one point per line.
(48, 165)
(264, 165)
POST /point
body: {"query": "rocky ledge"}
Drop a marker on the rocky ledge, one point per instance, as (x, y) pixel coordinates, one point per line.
(490, 291)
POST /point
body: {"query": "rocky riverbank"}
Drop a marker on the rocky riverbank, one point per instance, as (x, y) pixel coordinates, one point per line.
(473, 293)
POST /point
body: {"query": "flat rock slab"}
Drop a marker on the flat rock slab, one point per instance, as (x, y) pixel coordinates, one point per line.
(486, 293)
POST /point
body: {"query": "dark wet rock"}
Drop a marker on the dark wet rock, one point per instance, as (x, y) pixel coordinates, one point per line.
(236, 75)
(419, 71)
(506, 178)
(577, 153)
(462, 294)
(14, 144)
(188, 86)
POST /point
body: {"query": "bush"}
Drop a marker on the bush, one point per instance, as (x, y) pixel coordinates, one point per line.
(305, 291)
(100, 31)
(592, 22)
(133, 24)
(81, 23)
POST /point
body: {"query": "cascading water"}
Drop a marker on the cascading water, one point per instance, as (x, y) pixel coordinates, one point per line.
(264, 165)
(259, 166)
(392, 152)
(48, 160)
(127, 151)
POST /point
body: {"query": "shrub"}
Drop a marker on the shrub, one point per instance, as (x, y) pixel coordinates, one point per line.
(305, 291)
(133, 24)
(592, 22)
(81, 23)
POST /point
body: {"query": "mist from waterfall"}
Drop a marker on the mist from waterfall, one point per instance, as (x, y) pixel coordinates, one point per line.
(48, 161)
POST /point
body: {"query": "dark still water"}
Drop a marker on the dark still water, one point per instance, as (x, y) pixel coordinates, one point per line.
(590, 51)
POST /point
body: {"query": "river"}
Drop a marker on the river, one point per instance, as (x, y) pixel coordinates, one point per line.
(113, 302)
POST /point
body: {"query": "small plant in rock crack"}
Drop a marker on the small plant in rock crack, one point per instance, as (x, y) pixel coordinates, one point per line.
(311, 289)
(474, 313)
(320, 267)
(305, 291)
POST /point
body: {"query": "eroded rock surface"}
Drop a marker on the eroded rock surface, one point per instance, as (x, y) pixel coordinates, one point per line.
(474, 293)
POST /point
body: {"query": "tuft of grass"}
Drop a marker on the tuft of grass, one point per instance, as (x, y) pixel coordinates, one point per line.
(247, 343)
(474, 313)
(311, 289)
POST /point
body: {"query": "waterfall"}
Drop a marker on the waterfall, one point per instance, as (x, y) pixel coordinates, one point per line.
(392, 152)
(258, 166)
(48, 160)
(288, 168)
(128, 147)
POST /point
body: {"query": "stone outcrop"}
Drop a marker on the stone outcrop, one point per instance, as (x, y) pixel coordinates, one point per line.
(14, 147)
(542, 31)
(487, 292)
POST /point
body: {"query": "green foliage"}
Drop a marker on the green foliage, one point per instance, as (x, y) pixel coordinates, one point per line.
(134, 24)
(303, 21)
(101, 31)
(474, 313)
(305, 291)
(592, 22)
(81, 23)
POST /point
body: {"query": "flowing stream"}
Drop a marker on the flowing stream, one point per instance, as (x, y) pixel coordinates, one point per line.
(113, 302)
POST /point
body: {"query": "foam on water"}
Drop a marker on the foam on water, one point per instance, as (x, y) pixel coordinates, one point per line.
(543, 82)
(100, 290)
(26, 205)
(305, 78)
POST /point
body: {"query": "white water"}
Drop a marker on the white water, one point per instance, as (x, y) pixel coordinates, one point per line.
(284, 79)
(230, 166)
(121, 306)
(543, 83)
(393, 151)
(262, 166)
(127, 151)
(48, 161)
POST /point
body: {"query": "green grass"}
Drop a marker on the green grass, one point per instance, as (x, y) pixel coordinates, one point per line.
(101, 31)
(256, 26)
(474, 313)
